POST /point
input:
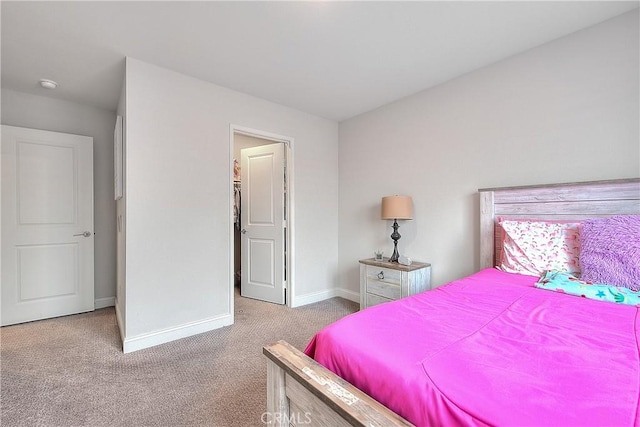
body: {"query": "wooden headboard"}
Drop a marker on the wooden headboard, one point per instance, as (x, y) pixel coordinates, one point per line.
(578, 200)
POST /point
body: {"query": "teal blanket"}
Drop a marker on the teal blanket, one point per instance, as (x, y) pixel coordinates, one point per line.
(560, 281)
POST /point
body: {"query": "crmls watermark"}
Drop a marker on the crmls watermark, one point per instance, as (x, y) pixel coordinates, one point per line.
(277, 418)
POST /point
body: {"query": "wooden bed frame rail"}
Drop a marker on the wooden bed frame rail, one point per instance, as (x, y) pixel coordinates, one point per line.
(300, 392)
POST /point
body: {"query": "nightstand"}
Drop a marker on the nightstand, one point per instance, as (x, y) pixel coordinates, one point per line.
(382, 281)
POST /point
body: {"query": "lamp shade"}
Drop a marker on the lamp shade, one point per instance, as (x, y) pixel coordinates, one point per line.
(397, 207)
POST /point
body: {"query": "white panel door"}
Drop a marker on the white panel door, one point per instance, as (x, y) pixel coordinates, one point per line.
(262, 216)
(47, 224)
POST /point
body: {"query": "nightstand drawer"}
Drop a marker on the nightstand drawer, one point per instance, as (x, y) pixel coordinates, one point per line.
(383, 289)
(375, 299)
(384, 275)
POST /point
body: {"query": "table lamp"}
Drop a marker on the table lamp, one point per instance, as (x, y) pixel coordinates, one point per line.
(395, 208)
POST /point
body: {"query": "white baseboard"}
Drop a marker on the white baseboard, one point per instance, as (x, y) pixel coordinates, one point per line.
(104, 302)
(350, 295)
(171, 334)
(323, 295)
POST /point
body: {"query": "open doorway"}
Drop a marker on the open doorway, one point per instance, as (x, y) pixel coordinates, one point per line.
(261, 215)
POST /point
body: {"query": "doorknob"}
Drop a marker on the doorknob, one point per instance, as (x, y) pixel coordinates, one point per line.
(243, 231)
(84, 234)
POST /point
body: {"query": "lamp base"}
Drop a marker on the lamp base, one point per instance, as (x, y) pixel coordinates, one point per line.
(395, 236)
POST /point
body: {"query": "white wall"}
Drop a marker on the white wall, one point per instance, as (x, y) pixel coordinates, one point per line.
(39, 112)
(565, 111)
(178, 196)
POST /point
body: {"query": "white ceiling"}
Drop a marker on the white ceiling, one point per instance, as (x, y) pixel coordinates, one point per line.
(331, 59)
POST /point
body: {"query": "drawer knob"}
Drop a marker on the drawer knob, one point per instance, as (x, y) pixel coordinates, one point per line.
(381, 275)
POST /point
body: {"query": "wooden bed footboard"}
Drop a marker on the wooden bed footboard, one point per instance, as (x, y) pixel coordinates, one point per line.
(301, 392)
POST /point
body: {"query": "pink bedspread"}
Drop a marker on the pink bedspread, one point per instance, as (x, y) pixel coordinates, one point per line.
(491, 349)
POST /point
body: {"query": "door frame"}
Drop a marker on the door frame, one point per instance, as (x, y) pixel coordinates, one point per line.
(289, 206)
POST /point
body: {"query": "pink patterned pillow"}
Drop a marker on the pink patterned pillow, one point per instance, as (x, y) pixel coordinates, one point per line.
(532, 247)
(574, 230)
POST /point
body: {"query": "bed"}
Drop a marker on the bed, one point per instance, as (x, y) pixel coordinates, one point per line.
(511, 354)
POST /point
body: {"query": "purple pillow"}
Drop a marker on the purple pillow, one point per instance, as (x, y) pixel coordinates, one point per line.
(610, 251)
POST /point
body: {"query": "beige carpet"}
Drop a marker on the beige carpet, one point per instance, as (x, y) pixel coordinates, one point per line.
(70, 371)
